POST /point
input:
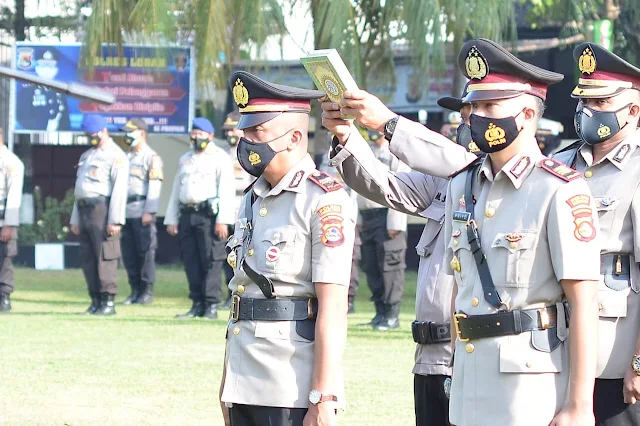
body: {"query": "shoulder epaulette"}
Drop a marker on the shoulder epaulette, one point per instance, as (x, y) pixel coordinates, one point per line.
(560, 170)
(575, 145)
(324, 181)
(467, 167)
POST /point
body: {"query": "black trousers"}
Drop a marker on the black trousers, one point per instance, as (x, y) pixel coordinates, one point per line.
(8, 251)
(383, 259)
(354, 283)
(99, 253)
(139, 244)
(254, 415)
(203, 254)
(431, 403)
(228, 270)
(609, 406)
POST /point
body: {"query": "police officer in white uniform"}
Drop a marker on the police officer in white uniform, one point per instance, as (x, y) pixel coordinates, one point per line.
(11, 183)
(607, 121)
(99, 213)
(291, 253)
(139, 235)
(200, 211)
(536, 219)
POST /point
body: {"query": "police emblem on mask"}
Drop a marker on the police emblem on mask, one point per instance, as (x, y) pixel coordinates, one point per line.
(240, 94)
(587, 61)
(473, 147)
(604, 131)
(476, 65)
(495, 135)
(254, 158)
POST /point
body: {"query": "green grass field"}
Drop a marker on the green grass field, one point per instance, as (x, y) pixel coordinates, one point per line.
(143, 367)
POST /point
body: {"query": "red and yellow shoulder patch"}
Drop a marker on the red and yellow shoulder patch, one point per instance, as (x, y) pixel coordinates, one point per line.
(582, 217)
(155, 169)
(559, 169)
(325, 181)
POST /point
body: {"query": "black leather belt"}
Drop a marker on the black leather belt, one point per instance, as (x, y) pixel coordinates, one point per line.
(136, 198)
(504, 323)
(371, 213)
(427, 333)
(91, 202)
(615, 264)
(243, 308)
(193, 208)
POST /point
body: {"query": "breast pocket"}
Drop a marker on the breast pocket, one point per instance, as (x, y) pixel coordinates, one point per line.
(606, 205)
(435, 215)
(97, 172)
(462, 260)
(278, 246)
(279, 330)
(519, 355)
(514, 253)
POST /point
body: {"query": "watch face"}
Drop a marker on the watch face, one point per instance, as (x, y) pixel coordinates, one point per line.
(635, 364)
(314, 396)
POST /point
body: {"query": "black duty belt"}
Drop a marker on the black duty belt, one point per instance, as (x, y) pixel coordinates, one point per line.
(427, 333)
(193, 208)
(615, 264)
(91, 202)
(243, 308)
(371, 213)
(136, 198)
(504, 323)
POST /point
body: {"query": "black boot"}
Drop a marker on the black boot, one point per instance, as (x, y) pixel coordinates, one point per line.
(379, 317)
(352, 306)
(197, 310)
(391, 319)
(210, 311)
(5, 302)
(133, 297)
(107, 305)
(146, 295)
(95, 304)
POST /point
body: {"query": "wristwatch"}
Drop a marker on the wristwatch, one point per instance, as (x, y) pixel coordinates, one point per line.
(635, 364)
(316, 397)
(390, 127)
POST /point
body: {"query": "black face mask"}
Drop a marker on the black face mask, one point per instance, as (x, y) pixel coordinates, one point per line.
(594, 126)
(232, 140)
(200, 143)
(94, 140)
(493, 134)
(463, 137)
(254, 157)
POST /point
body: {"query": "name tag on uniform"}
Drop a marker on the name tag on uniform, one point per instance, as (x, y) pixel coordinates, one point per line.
(464, 217)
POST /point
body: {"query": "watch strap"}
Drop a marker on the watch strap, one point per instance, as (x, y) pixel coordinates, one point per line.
(325, 398)
(390, 127)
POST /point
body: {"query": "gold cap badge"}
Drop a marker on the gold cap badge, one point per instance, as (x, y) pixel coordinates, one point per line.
(587, 61)
(240, 94)
(476, 65)
(254, 158)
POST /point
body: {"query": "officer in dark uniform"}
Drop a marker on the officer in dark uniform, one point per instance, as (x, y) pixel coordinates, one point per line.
(200, 211)
(11, 181)
(139, 235)
(99, 213)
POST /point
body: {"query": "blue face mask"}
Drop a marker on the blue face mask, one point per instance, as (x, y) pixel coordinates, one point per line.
(254, 157)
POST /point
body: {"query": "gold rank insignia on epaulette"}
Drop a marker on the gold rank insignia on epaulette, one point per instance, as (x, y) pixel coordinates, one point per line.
(325, 181)
(560, 170)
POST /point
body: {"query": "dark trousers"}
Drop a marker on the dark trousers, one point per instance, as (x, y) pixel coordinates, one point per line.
(253, 415)
(431, 403)
(609, 406)
(383, 258)
(139, 244)
(354, 283)
(203, 254)
(7, 252)
(99, 252)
